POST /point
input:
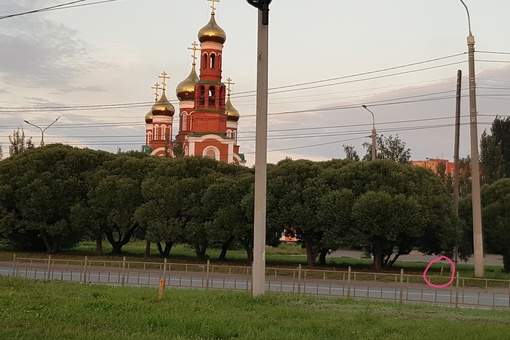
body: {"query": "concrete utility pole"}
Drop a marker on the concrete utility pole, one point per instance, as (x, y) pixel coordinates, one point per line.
(373, 133)
(42, 130)
(259, 224)
(475, 162)
(456, 156)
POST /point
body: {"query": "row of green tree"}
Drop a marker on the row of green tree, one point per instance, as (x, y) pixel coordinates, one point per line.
(55, 196)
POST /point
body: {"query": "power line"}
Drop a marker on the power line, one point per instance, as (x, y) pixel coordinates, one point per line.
(66, 5)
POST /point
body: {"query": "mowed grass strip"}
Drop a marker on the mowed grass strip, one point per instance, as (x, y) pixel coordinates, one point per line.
(63, 310)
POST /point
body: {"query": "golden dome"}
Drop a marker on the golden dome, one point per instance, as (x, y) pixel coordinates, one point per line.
(148, 117)
(163, 107)
(212, 32)
(231, 111)
(186, 88)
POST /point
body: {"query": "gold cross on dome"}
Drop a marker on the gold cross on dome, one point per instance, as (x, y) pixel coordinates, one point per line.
(156, 87)
(213, 7)
(164, 77)
(229, 84)
(194, 49)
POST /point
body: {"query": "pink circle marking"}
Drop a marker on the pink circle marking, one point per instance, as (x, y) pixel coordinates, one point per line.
(430, 264)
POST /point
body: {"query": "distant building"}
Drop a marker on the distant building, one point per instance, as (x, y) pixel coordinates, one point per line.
(433, 163)
(208, 122)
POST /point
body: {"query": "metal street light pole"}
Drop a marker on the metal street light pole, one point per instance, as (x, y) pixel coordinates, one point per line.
(42, 129)
(475, 165)
(373, 132)
(259, 223)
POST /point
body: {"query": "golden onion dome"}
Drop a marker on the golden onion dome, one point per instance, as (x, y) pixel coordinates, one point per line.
(231, 111)
(148, 117)
(212, 32)
(163, 107)
(186, 88)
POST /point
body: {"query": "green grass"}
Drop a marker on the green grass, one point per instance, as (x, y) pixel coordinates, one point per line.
(59, 310)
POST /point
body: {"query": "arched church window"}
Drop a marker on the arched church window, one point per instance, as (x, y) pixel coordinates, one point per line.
(184, 121)
(219, 62)
(212, 60)
(163, 132)
(202, 95)
(229, 133)
(156, 132)
(212, 96)
(149, 137)
(204, 60)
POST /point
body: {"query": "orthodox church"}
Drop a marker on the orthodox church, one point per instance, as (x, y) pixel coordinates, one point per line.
(208, 121)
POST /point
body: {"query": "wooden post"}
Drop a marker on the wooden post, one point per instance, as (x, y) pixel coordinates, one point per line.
(123, 270)
(49, 267)
(299, 280)
(14, 265)
(85, 271)
(161, 289)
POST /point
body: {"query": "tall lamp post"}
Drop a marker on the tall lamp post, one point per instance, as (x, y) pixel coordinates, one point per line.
(259, 223)
(475, 165)
(42, 129)
(373, 132)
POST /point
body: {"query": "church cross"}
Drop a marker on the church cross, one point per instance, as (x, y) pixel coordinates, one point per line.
(156, 87)
(229, 84)
(194, 49)
(164, 77)
(213, 7)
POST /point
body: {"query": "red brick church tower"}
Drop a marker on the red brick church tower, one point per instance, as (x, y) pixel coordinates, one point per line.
(207, 119)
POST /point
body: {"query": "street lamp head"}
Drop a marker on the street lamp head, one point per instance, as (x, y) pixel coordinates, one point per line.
(26, 121)
(364, 106)
(263, 6)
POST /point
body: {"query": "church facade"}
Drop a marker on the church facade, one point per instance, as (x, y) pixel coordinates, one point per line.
(208, 122)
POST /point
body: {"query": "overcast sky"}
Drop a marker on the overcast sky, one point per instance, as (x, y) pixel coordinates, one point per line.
(94, 67)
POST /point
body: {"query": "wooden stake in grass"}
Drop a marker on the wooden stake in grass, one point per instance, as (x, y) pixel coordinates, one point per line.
(161, 289)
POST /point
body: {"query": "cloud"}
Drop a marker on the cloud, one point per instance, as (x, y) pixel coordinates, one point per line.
(38, 52)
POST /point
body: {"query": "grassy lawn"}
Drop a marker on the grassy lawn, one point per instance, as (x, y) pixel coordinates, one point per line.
(59, 310)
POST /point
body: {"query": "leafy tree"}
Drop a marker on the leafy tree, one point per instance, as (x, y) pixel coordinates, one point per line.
(39, 188)
(114, 194)
(335, 217)
(19, 143)
(396, 206)
(392, 148)
(294, 194)
(350, 153)
(495, 151)
(226, 200)
(495, 220)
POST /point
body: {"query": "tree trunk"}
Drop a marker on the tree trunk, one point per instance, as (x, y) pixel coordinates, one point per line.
(506, 261)
(123, 239)
(322, 256)
(224, 248)
(117, 247)
(99, 244)
(249, 251)
(311, 255)
(147, 251)
(378, 255)
(51, 247)
(165, 252)
(200, 249)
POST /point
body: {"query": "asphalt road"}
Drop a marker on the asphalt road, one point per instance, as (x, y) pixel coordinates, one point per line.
(489, 259)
